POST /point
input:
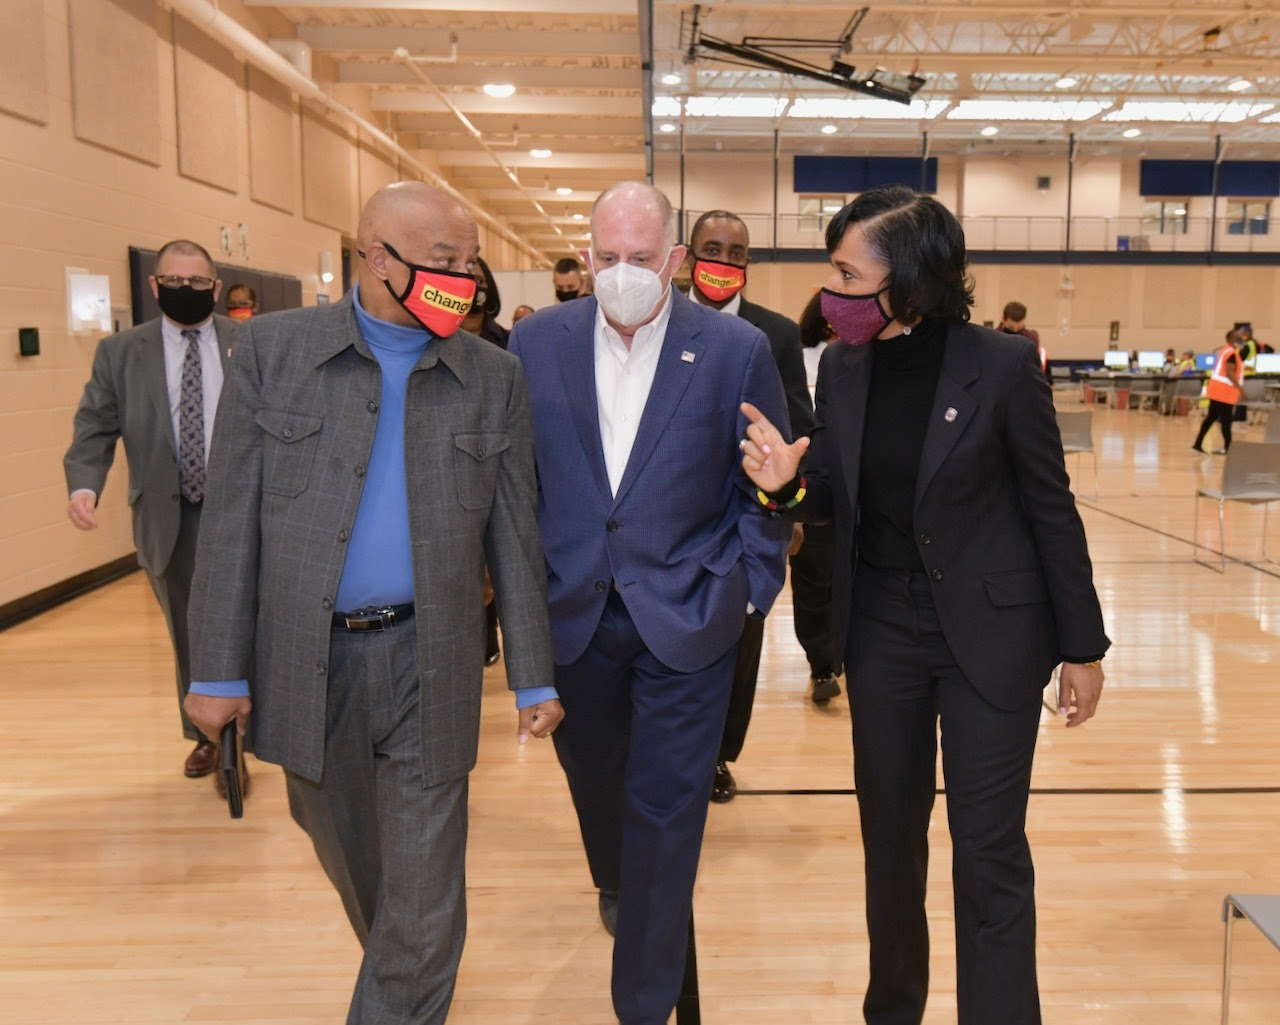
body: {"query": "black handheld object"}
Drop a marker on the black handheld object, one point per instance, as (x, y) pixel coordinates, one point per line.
(230, 769)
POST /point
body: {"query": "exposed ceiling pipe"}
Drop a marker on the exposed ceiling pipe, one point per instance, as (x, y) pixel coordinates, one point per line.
(245, 44)
(412, 63)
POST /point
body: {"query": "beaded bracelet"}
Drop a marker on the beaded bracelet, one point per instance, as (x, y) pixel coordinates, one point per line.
(781, 507)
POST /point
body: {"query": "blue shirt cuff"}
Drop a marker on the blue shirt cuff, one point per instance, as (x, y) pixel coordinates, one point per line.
(527, 697)
(221, 688)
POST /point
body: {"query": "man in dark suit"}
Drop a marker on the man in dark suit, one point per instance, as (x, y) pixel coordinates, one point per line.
(140, 380)
(719, 245)
(371, 459)
(655, 548)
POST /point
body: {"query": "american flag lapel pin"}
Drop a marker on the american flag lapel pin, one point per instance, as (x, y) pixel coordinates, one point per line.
(950, 415)
(687, 356)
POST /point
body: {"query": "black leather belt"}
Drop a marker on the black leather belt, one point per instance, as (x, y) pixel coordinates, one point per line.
(373, 619)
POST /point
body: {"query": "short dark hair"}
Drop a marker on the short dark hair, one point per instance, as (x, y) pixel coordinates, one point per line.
(185, 247)
(240, 286)
(716, 215)
(813, 325)
(1015, 311)
(567, 265)
(921, 243)
(493, 303)
(1231, 335)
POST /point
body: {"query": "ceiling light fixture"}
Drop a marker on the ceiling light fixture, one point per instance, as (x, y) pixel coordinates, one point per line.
(498, 90)
(667, 127)
(1066, 82)
(564, 190)
(829, 129)
(578, 217)
(670, 78)
(1131, 133)
(990, 130)
(540, 154)
(1239, 85)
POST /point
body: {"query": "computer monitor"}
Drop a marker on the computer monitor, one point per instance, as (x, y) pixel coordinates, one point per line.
(1205, 360)
(1115, 359)
(1150, 359)
(1268, 363)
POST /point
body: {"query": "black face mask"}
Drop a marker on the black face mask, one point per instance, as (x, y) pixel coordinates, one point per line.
(185, 305)
(564, 295)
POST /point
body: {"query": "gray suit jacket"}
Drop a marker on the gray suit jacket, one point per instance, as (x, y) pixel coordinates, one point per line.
(127, 397)
(293, 438)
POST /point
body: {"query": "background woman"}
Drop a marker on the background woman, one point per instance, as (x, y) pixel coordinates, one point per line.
(961, 578)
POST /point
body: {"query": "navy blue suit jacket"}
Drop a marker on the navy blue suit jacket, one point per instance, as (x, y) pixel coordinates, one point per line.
(685, 540)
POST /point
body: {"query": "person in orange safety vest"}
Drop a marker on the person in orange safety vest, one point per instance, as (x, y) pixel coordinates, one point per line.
(1223, 391)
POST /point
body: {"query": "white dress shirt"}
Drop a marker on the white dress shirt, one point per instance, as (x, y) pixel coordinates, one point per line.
(175, 350)
(624, 379)
(731, 307)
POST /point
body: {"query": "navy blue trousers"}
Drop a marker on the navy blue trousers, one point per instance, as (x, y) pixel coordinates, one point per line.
(638, 746)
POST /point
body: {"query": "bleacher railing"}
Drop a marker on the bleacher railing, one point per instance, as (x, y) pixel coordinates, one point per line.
(1047, 234)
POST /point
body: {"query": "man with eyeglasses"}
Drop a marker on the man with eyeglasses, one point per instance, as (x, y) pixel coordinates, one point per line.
(157, 386)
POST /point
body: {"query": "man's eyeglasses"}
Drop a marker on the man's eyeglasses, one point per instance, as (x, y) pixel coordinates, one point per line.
(200, 284)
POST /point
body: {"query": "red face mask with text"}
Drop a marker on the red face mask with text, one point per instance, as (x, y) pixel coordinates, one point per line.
(436, 299)
(718, 281)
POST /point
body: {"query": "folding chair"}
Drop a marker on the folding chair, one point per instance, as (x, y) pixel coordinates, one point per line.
(1254, 397)
(1077, 437)
(1251, 474)
(1260, 909)
(1271, 434)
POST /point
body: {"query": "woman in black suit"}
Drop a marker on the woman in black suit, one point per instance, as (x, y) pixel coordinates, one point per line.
(961, 578)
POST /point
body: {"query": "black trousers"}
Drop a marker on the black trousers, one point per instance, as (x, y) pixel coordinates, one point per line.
(811, 598)
(1220, 413)
(902, 679)
(746, 668)
(172, 589)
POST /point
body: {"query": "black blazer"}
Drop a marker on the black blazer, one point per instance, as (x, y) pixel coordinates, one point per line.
(995, 520)
(784, 342)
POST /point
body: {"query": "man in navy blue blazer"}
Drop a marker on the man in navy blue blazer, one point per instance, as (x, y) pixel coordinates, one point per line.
(655, 545)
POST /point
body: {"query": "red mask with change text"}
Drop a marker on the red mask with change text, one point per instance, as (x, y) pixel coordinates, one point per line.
(436, 299)
(718, 281)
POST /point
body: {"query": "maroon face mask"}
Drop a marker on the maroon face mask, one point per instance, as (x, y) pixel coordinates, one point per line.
(856, 319)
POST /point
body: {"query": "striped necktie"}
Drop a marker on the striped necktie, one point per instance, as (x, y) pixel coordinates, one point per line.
(191, 421)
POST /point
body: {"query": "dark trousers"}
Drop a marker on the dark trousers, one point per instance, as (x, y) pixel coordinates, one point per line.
(746, 667)
(1220, 413)
(638, 747)
(902, 679)
(172, 589)
(394, 850)
(811, 598)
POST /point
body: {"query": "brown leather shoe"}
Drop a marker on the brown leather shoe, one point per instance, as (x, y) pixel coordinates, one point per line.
(203, 760)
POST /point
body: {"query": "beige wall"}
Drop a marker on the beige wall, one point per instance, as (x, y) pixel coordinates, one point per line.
(84, 175)
(1157, 307)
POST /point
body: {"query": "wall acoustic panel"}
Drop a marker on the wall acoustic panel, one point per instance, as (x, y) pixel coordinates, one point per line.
(1101, 295)
(115, 76)
(273, 143)
(375, 171)
(328, 179)
(1171, 298)
(1243, 293)
(23, 86)
(207, 84)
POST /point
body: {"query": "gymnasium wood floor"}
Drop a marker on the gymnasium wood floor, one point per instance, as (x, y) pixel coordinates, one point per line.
(129, 897)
